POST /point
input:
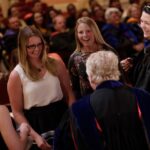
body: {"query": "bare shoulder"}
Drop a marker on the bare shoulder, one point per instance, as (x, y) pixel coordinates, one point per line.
(57, 58)
(13, 75)
(14, 78)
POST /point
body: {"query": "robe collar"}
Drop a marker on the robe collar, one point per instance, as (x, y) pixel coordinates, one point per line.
(109, 84)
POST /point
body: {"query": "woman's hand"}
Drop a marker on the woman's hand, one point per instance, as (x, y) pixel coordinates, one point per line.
(41, 143)
(24, 129)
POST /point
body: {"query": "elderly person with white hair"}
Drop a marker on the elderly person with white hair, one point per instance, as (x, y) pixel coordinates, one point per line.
(122, 38)
(102, 67)
(120, 35)
(110, 117)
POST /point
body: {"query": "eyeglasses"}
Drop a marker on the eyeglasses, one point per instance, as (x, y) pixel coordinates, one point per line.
(32, 47)
(147, 9)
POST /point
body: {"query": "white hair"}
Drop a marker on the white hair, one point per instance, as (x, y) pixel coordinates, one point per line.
(101, 66)
(111, 10)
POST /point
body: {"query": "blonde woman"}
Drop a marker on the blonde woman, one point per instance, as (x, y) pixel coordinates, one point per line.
(38, 87)
(88, 40)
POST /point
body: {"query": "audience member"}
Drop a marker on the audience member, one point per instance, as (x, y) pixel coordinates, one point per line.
(38, 22)
(110, 117)
(134, 21)
(88, 40)
(11, 34)
(119, 35)
(72, 16)
(62, 40)
(50, 15)
(115, 4)
(9, 40)
(98, 15)
(84, 12)
(91, 3)
(16, 10)
(37, 6)
(38, 87)
(133, 13)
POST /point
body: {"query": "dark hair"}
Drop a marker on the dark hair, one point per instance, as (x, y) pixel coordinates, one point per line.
(146, 9)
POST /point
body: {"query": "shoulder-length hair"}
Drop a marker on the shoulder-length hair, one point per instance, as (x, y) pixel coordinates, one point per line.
(24, 61)
(97, 34)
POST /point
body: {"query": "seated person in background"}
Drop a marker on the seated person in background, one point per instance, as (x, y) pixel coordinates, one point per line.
(71, 16)
(116, 4)
(39, 23)
(13, 140)
(110, 117)
(11, 34)
(133, 13)
(119, 35)
(123, 38)
(9, 40)
(62, 40)
(98, 15)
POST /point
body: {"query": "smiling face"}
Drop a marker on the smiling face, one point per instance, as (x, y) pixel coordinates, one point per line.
(85, 35)
(145, 24)
(34, 47)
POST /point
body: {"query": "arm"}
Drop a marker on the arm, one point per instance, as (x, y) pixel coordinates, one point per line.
(10, 136)
(15, 93)
(64, 78)
(74, 75)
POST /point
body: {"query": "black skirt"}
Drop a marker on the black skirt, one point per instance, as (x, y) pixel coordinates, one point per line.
(43, 119)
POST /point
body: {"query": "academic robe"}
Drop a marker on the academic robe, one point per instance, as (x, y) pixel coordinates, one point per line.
(108, 119)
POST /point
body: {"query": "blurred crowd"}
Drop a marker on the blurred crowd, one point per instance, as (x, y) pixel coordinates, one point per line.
(57, 27)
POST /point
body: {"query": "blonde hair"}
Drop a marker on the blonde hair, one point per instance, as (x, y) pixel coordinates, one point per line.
(97, 34)
(101, 66)
(32, 72)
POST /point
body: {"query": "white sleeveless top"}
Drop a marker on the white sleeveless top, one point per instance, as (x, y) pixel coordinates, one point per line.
(39, 93)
